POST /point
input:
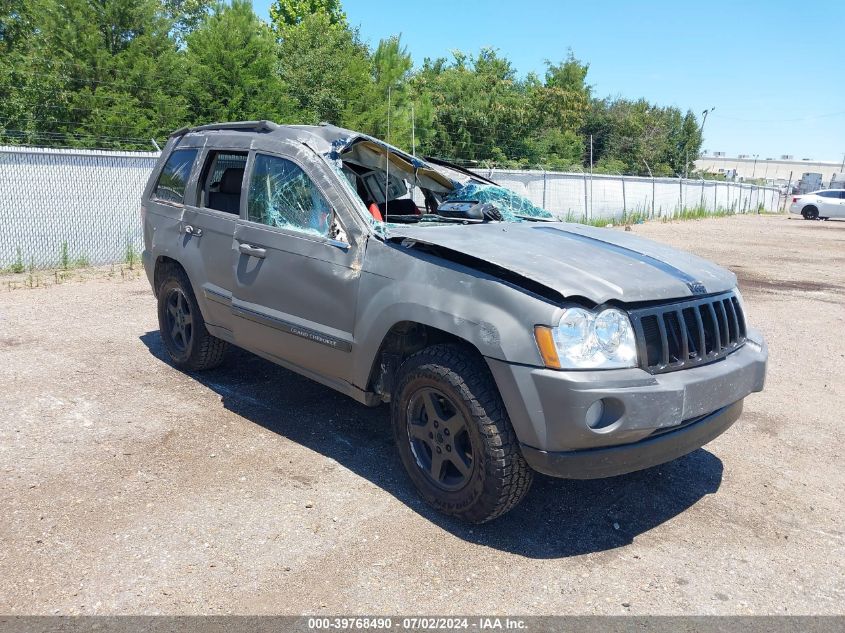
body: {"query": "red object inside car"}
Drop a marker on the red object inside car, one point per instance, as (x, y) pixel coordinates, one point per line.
(375, 212)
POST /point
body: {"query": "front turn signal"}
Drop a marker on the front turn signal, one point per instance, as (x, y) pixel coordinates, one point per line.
(546, 345)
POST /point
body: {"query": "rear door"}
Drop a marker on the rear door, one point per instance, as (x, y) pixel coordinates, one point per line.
(208, 230)
(296, 273)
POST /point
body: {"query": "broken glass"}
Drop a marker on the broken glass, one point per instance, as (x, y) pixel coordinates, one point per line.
(510, 204)
(282, 195)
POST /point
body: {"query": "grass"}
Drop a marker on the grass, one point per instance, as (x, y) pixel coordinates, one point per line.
(640, 217)
(17, 266)
(131, 255)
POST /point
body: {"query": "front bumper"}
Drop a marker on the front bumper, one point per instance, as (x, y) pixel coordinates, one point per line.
(648, 419)
(593, 463)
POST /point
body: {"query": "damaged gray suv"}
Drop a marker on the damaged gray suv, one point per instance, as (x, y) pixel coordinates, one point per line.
(505, 341)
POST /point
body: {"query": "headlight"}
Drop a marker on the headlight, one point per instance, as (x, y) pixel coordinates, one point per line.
(586, 340)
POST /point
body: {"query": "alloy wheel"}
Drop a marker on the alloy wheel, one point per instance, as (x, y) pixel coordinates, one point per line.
(440, 440)
(180, 323)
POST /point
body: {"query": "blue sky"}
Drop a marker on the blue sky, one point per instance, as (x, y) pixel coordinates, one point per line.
(775, 71)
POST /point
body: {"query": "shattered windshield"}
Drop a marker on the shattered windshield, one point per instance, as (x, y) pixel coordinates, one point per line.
(396, 188)
(512, 206)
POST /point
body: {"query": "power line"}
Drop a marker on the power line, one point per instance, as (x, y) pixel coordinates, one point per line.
(60, 75)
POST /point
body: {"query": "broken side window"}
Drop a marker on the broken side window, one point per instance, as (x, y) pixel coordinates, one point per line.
(282, 195)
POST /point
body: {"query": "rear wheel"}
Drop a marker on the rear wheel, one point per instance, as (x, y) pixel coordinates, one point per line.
(810, 213)
(454, 436)
(182, 327)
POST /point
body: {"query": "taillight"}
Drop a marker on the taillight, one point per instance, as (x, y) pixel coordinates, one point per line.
(795, 199)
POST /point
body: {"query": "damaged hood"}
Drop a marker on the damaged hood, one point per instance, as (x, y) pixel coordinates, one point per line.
(579, 261)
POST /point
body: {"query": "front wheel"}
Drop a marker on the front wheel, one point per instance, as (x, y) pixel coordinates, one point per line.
(454, 436)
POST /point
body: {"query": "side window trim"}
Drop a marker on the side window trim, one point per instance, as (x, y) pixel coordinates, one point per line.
(292, 231)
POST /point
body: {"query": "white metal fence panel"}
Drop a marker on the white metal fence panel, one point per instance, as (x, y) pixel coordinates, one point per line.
(86, 202)
(582, 196)
(83, 202)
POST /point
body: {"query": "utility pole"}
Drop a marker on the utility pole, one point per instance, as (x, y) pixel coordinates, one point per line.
(591, 175)
(387, 157)
(703, 121)
(413, 150)
(754, 168)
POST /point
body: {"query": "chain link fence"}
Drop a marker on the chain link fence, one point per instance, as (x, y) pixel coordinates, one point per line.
(70, 206)
(598, 196)
(64, 207)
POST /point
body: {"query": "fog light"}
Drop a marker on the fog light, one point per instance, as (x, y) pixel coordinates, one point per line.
(605, 415)
(595, 414)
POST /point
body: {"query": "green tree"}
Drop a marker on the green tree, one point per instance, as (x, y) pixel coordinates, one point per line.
(234, 69)
(558, 112)
(186, 15)
(480, 109)
(286, 14)
(390, 74)
(17, 38)
(108, 73)
(326, 70)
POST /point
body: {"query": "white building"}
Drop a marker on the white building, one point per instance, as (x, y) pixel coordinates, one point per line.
(776, 170)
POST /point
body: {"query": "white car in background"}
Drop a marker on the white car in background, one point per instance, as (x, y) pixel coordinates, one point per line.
(823, 204)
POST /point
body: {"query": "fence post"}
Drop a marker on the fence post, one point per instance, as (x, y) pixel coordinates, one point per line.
(544, 189)
(624, 200)
(653, 201)
(586, 212)
(680, 196)
(715, 196)
(788, 190)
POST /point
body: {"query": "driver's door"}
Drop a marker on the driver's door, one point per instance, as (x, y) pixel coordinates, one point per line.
(295, 286)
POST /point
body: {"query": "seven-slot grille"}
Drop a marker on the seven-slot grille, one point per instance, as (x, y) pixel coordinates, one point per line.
(689, 333)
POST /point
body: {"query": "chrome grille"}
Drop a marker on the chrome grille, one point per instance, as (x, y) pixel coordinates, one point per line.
(688, 333)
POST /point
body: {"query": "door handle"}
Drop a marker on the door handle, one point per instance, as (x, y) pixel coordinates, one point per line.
(190, 230)
(252, 251)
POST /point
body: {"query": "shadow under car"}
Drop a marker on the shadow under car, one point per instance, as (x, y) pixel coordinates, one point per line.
(558, 518)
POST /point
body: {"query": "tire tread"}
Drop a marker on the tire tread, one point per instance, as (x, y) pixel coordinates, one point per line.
(466, 372)
(209, 351)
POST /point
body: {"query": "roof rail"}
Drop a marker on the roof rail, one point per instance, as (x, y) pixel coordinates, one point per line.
(246, 126)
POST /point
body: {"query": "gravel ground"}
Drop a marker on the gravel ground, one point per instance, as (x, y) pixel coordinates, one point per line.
(127, 486)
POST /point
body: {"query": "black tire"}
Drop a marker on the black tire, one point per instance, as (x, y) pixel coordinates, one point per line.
(455, 385)
(182, 327)
(810, 213)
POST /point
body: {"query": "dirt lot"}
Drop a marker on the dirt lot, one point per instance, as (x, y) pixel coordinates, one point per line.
(129, 487)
